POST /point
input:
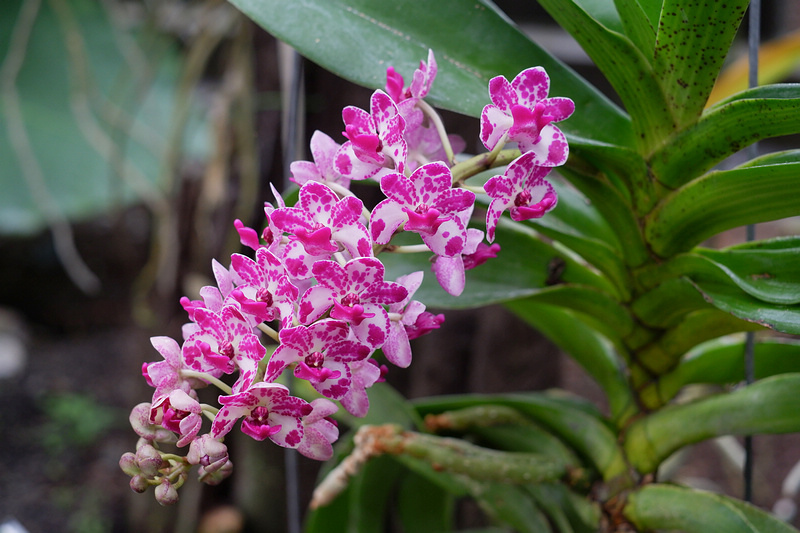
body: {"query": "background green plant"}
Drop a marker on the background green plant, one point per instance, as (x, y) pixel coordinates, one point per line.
(640, 301)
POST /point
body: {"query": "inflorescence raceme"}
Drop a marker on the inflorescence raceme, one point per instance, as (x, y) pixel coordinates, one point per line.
(314, 291)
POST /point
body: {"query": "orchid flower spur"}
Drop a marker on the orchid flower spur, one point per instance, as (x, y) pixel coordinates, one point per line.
(521, 112)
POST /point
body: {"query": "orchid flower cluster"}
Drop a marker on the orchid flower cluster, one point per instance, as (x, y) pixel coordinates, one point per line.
(315, 292)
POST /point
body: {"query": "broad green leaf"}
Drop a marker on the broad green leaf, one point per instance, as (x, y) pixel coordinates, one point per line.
(86, 135)
(511, 505)
(667, 304)
(637, 25)
(767, 406)
(670, 507)
(725, 129)
(570, 512)
(423, 505)
(722, 200)
(358, 39)
(692, 42)
(529, 438)
(622, 63)
(762, 269)
(721, 362)
(370, 495)
(771, 274)
(387, 406)
(594, 352)
(522, 268)
(615, 210)
(332, 517)
(576, 425)
(775, 158)
(783, 318)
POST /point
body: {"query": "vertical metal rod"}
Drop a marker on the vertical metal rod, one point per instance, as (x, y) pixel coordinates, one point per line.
(291, 131)
(753, 42)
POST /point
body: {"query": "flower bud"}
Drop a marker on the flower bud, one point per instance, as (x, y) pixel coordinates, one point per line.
(139, 484)
(166, 493)
(217, 476)
(128, 464)
(140, 422)
(207, 452)
(149, 460)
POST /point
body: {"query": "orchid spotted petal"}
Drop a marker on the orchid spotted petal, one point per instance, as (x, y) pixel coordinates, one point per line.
(522, 113)
(323, 150)
(522, 190)
(375, 145)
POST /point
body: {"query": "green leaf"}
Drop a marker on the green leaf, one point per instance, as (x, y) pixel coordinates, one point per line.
(762, 269)
(370, 495)
(358, 39)
(669, 507)
(529, 438)
(628, 71)
(721, 362)
(767, 406)
(333, 517)
(615, 209)
(423, 505)
(521, 269)
(386, 406)
(722, 200)
(725, 129)
(637, 25)
(576, 425)
(570, 512)
(594, 352)
(692, 42)
(783, 318)
(511, 505)
(85, 135)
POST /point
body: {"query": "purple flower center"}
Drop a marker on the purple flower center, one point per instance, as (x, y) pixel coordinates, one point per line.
(226, 349)
(523, 198)
(263, 295)
(259, 416)
(315, 359)
(350, 300)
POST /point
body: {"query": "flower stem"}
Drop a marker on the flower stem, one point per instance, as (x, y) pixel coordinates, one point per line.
(207, 377)
(269, 331)
(479, 163)
(437, 122)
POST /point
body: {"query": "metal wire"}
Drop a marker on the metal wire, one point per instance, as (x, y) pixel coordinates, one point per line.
(291, 127)
(753, 41)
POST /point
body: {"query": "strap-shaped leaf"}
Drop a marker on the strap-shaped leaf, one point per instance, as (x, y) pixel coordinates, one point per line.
(472, 40)
(524, 266)
(691, 44)
(423, 505)
(614, 208)
(578, 424)
(725, 129)
(674, 508)
(623, 64)
(722, 200)
(637, 25)
(721, 362)
(767, 406)
(783, 318)
(593, 351)
(765, 270)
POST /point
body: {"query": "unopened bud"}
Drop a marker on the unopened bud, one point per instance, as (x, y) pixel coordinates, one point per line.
(208, 453)
(217, 476)
(128, 464)
(166, 493)
(139, 484)
(140, 422)
(149, 460)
